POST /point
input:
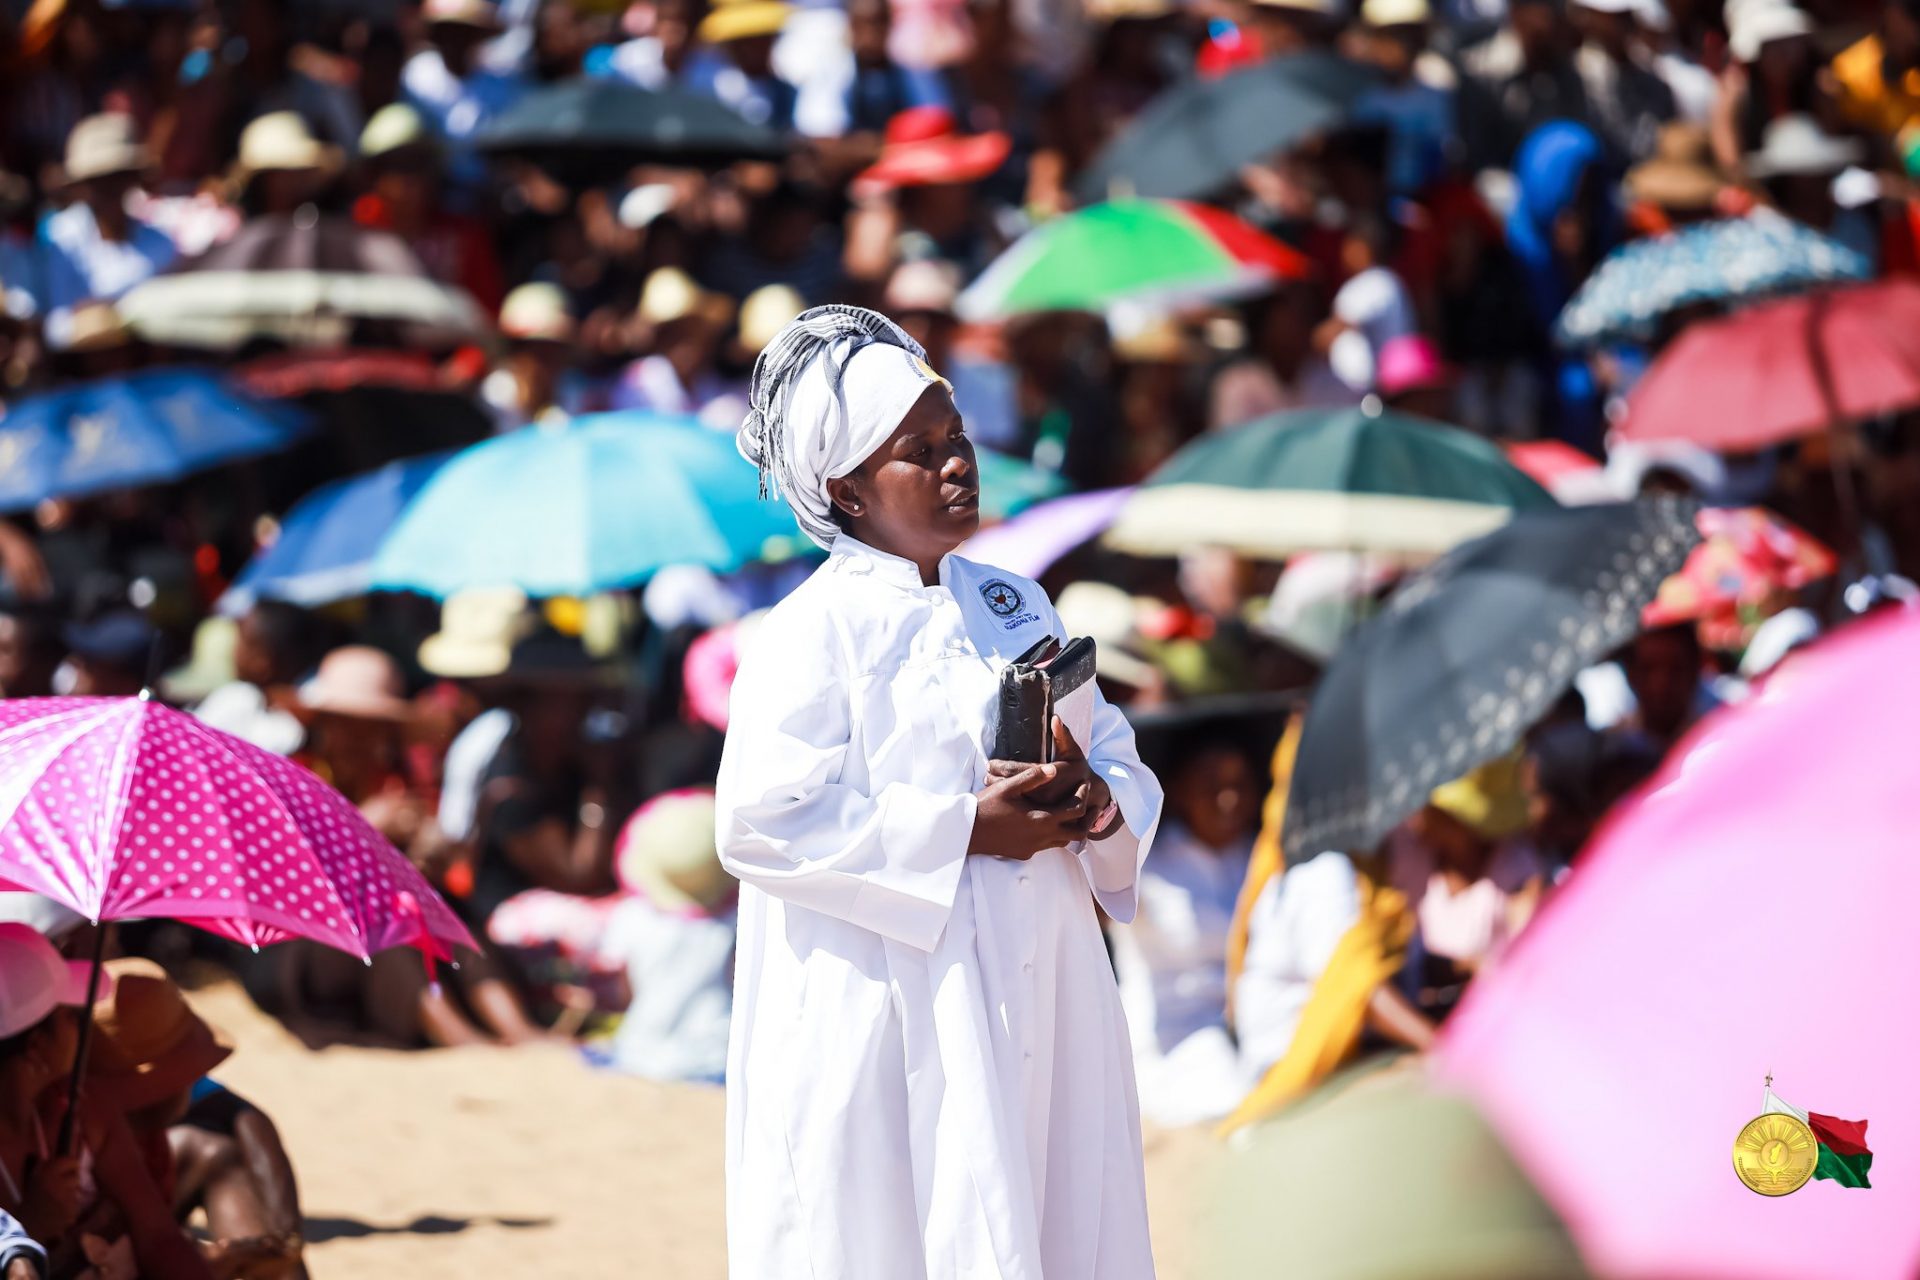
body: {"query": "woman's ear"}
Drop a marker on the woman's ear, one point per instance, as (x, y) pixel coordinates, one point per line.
(844, 494)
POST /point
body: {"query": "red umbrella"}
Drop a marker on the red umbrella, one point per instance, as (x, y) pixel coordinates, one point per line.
(1784, 369)
(299, 373)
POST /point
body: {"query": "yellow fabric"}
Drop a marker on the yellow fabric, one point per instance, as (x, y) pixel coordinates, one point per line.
(1865, 96)
(1490, 800)
(743, 20)
(1369, 954)
(1268, 860)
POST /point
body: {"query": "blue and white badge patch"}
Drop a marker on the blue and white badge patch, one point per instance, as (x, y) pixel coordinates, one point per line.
(1001, 597)
(1006, 602)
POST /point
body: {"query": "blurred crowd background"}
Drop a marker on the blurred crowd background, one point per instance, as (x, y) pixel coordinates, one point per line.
(368, 370)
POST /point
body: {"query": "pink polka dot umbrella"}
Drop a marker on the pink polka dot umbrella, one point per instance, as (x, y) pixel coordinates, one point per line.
(125, 809)
(122, 808)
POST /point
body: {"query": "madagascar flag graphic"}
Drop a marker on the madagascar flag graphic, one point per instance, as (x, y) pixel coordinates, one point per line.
(1843, 1143)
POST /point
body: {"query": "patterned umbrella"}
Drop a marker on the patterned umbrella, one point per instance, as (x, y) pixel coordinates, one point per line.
(1466, 655)
(1152, 252)
(303, 279)
(140, 429)
(1327, 480)
(1732, 260)
(1748, 557)
(122, 809)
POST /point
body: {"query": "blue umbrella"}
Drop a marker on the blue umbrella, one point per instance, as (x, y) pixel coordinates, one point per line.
(594, 504)
(124, 432)
(326, 545)
(1728, 261)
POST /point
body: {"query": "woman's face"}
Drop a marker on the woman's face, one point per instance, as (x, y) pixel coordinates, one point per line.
(918, 495)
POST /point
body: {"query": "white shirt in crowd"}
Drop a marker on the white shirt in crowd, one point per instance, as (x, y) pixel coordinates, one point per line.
(1172, 966)
(1297, 921)
(77, 263)
(930, 1072)
(680, 966)
(1375, 303)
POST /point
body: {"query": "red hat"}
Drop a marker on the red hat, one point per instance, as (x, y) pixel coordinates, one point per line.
(924, 148)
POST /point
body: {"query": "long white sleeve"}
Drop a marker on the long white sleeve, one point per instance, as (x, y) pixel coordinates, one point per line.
(788, 824)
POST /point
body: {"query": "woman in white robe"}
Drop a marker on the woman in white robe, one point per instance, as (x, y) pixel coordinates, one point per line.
(929, 1073)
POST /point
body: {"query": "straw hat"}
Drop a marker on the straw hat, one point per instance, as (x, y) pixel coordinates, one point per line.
(94, 326)
(103, 145)
(743, 20)
(1159, 339)
(394, 127)
(1396, 13)
(1129, 10)
(767, 311)
(150, 1044)
(1753, 25)
(360, 681)
(1680, 174)
(924, 284)
(665, 853)
(671, 295)
(35, 980)
(924, 147)
(1796, 146)
(1313, 8)
(536, 313)
(478, 629)
(280, 142)
(209, 666)
(483, 15)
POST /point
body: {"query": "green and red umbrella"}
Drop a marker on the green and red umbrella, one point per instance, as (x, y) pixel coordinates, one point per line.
(1162, 252)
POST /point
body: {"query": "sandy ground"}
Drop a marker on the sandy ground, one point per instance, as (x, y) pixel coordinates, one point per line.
(460, 1163)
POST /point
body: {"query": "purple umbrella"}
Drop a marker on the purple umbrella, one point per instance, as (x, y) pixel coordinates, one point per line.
(1032, 541)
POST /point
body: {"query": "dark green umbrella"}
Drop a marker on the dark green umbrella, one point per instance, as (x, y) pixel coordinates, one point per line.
(1193, 141)
(1466, 655)
(585, 127)
(1359, 479)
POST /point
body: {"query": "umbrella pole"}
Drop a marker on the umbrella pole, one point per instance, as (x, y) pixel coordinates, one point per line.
(67, 1125)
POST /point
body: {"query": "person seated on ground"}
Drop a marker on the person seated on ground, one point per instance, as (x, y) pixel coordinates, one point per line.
(356, 741)
(1171, 960)
(1326, 943)
(97, 1210)
(150, 1058)
(673, 932)
(1473, 878)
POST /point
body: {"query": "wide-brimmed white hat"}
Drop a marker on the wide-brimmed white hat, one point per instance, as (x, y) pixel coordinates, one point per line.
(1796, 146)
(103, 145)
(483, 15)
(281, 142)
(1757, 23)
(478, 629)
(536, 312)
(394, 127)
(35, 979)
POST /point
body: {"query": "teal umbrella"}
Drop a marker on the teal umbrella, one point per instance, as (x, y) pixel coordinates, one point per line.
(590, 505)
(1010, 485)
(1359, 479)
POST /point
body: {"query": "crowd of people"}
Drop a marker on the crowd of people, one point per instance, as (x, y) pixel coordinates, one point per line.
(550, 763)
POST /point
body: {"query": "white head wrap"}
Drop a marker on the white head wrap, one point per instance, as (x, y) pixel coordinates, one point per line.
(826, 393)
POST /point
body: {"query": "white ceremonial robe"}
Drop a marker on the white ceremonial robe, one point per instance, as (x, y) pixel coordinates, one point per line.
(929, 1072)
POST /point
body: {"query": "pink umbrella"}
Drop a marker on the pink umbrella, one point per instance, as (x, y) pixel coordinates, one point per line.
(1750, 913)
(1784, 369)
(125, 809)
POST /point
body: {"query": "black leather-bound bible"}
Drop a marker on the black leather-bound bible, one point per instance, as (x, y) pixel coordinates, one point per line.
(1045, 681)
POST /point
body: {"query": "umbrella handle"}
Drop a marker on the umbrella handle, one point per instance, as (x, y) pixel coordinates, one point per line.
(70, 1121)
